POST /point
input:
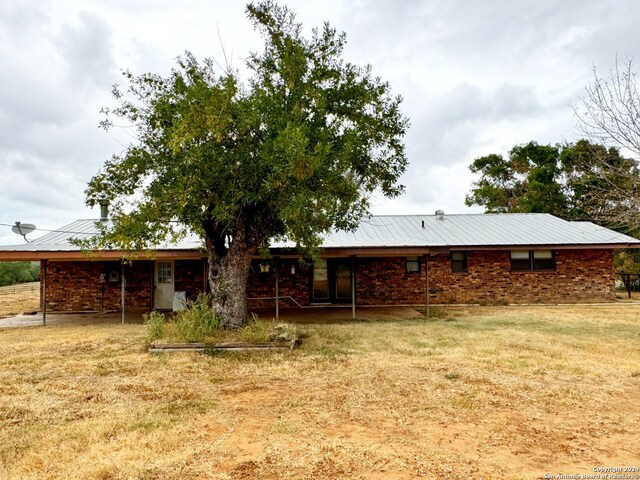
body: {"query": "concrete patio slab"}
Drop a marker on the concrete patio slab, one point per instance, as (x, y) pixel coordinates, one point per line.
(290, 315)
(69, 319)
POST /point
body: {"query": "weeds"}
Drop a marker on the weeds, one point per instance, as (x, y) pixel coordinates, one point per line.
(198, 323)
(155, 322)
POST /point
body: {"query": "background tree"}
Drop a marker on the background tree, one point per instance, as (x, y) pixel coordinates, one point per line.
(610, 110)
(527, 181)
(19, 272)
(598, 183)
(580, 181)
(295, 151)
(609, 113)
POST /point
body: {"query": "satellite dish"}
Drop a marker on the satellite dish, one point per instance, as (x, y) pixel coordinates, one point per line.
(23, 229)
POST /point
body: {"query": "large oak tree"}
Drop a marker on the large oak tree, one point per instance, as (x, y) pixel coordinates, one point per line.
(294, 151)
(578, 181)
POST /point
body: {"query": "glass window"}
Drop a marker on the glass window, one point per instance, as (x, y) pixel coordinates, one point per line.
(343, 280)
(412, 265)
(520, 260)
(320, 279)
(459, 261)
(523, 260)
(544, 260)
(164, 272)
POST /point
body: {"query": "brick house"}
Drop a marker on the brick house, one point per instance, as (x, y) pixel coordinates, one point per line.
(388, 260)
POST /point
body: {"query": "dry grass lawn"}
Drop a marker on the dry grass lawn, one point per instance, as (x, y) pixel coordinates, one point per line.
(15, 303)
(487, 392)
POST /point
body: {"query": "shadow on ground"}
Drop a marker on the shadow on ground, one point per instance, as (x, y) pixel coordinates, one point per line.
(289, 315)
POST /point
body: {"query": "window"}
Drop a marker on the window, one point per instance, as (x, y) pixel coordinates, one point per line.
(520, 260)
(320, 279)
(527, 260)
(164, 272)
(412, 264)
(544, 260)
(458, 262)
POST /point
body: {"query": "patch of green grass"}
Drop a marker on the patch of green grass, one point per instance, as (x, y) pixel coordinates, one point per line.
(149, 424)
(180, 408)
(260, 331)
(285, 428)
(197, 323)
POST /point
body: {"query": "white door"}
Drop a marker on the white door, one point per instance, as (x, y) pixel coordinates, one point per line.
(163, 294)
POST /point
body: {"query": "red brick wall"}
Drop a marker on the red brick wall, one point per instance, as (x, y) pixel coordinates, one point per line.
(580, 276)
(138, 286)
(261, 285)
(76, 286)
(189, 277)
(384, 281)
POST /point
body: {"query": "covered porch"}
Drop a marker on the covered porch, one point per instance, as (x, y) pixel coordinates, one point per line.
(316, 315)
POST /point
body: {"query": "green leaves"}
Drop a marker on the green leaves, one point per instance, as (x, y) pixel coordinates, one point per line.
(295, 150)
(19, 272)
(527, 182)
(581, 181)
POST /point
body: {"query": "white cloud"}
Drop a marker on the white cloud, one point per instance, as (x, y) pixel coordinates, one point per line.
(477, 78)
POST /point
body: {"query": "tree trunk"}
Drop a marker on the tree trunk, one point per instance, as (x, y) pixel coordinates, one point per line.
(229, 287)
(229, 271)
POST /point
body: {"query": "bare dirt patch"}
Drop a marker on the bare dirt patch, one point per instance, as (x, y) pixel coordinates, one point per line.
(505, 392)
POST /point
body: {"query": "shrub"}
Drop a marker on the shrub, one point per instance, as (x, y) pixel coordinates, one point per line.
(259, 331)
(197, 322)
(156, 323)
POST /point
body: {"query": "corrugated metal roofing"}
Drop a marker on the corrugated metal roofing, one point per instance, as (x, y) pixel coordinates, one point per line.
(466, 230)
(475, 230)
(58, 241)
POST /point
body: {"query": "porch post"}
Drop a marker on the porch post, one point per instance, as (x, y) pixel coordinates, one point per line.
(204, 276)
(44, 292)
(122, 285)
(275, 267)
(426, 265)
(353, 288)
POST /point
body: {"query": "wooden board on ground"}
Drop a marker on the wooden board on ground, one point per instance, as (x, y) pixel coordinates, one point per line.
(201, 347)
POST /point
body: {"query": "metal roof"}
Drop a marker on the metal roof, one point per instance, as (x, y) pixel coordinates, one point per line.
(475, 230)
(462, 231)
(58, 241)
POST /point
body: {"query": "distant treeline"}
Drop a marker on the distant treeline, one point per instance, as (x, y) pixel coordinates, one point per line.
(19, 272)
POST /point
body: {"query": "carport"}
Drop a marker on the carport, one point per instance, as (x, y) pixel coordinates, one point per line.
(22, 253)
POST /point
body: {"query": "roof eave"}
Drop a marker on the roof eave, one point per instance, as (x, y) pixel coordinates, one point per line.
(185, 254)
(75, 255)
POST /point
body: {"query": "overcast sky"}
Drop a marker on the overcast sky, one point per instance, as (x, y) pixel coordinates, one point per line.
(476, 77)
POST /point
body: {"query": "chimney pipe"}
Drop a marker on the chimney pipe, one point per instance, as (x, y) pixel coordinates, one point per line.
(104, 210)
(422, 223)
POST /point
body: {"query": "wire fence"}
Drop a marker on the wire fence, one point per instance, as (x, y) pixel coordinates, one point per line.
(20, 288)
